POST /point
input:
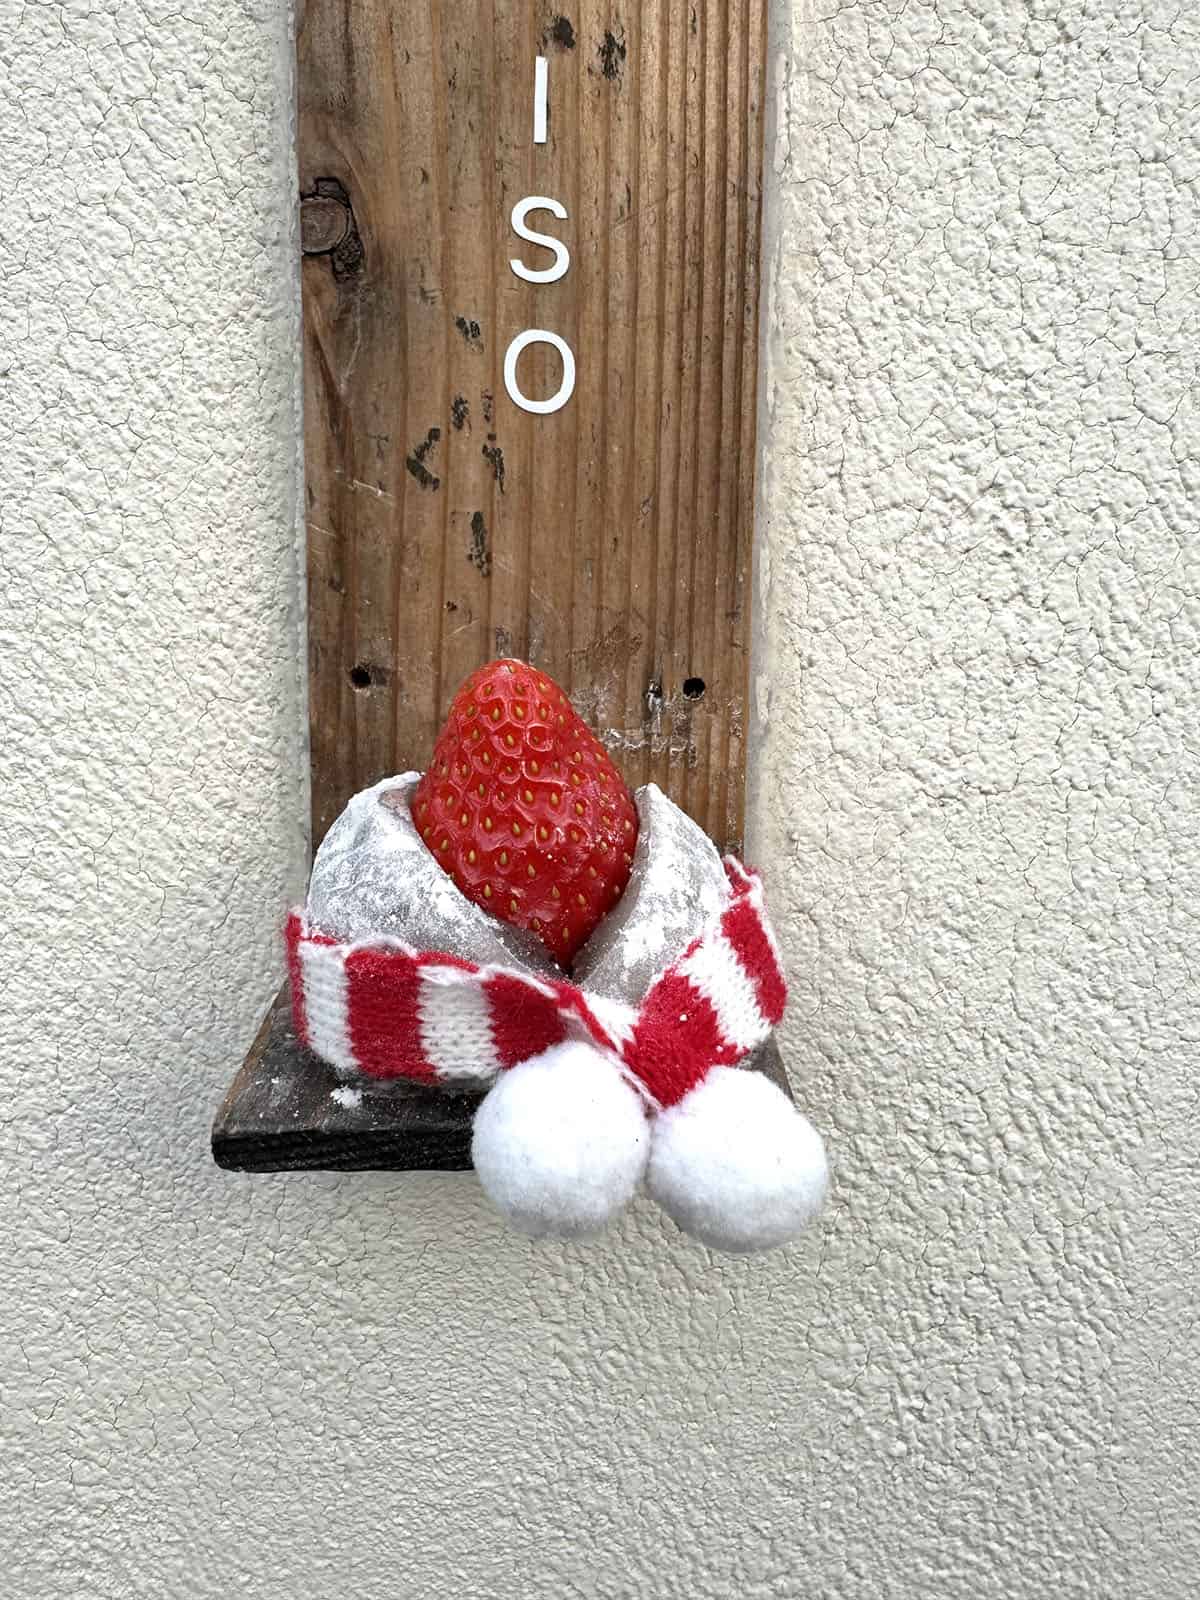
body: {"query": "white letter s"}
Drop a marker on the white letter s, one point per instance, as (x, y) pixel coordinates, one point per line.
(562, 256)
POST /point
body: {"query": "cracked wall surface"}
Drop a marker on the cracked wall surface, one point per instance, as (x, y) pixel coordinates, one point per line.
(976, 697)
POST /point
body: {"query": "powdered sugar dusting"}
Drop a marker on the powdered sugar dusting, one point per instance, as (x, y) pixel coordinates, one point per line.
(374, 877)
(676, 885)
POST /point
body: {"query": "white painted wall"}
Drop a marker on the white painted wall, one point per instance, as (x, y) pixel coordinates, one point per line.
(979, 615)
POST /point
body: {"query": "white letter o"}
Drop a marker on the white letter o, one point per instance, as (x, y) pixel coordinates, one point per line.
(565, 389)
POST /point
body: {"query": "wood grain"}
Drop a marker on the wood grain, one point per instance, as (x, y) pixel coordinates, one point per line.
(287, 1111)
(609, 542)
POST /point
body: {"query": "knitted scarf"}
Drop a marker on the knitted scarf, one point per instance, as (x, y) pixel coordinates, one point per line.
(387, 1010)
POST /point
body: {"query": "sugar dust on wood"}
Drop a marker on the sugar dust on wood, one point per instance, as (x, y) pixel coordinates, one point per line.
(416, 462)
(479, 554)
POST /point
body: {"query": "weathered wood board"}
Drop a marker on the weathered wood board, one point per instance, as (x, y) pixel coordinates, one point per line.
(609, 542)
(287, 1111)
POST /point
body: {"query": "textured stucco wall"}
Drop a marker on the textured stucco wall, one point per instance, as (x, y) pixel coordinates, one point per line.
(975, 787)
(979, 608)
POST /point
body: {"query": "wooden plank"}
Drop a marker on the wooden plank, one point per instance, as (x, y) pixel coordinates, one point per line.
(286, 1111)
(610, 541)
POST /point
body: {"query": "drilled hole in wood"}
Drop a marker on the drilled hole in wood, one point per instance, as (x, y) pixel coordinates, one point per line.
(360, 677)
(693, 688)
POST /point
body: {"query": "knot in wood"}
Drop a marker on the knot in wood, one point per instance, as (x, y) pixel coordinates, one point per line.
(324, 223)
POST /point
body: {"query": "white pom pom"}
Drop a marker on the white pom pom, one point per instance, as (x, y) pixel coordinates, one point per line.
(561, 1142)
(735, 1164)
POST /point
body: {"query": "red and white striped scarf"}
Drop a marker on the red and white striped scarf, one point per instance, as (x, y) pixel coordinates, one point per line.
(388, 1010)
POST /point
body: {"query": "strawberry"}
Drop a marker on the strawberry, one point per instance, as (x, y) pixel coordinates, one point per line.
(524, 808)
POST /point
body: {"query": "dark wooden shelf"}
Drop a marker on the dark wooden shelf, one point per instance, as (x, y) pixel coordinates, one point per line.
(286, 1111)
